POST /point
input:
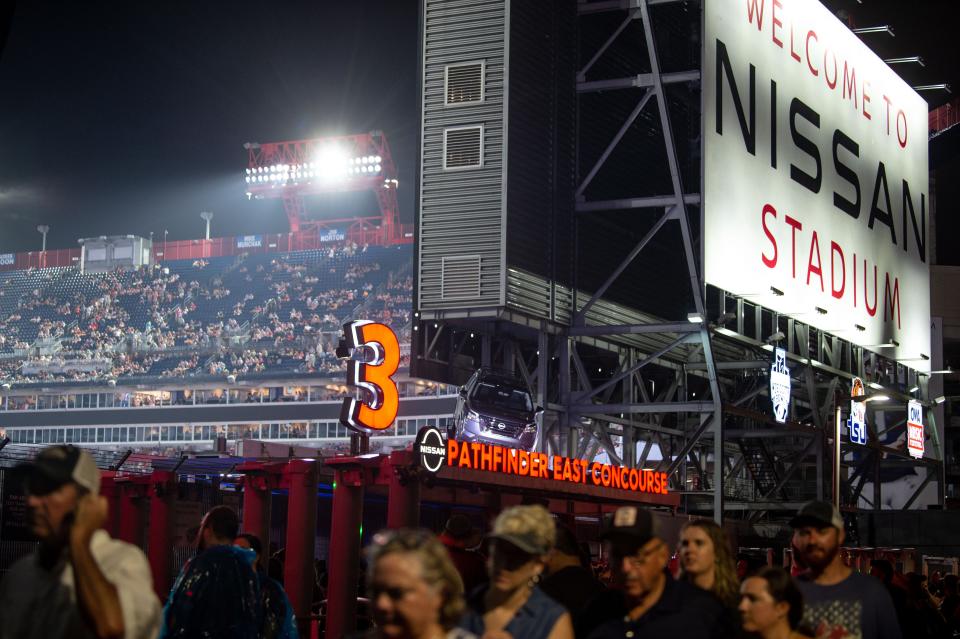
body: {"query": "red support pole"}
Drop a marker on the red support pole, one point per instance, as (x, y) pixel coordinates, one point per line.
(256, 508)
(110, 490)
(301, 481)
(403, 498)
(344, 555)
(131, 516)
(163, 485)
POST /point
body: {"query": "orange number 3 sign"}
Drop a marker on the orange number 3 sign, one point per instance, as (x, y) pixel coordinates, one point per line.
(375, 374)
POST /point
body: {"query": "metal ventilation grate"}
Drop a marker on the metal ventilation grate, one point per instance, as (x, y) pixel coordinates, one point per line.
(463, 147)
(463, 83)
(460, 277)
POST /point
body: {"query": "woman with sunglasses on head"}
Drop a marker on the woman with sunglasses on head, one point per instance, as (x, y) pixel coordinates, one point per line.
(415, 590)
(512, 605)
(771, 605)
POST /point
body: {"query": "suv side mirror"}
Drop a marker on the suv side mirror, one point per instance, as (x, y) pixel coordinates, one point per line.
(538, 409)
(463, 391)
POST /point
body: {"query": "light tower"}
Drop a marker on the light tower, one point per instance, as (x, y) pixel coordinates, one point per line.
(207, 216)
(291, 170)
(43, 229)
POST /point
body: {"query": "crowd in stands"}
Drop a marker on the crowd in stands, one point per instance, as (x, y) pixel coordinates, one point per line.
(220, 316)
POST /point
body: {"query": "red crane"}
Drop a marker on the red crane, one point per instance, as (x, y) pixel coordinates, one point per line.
(291, 170)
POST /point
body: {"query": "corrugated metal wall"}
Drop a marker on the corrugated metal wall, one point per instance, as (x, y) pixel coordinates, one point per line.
(462, 211)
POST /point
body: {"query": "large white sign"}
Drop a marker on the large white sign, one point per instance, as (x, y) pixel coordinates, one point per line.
(816, 191)
(915, 428)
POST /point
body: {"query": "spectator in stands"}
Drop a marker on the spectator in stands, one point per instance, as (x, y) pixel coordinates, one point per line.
(459, 536)
(706, 560)
(414, 588)
(278, 621)
(646, 601)
(513, 604)
(838, 601)
(217, 593)
(79, 583)
(771, 604)
(569, 580)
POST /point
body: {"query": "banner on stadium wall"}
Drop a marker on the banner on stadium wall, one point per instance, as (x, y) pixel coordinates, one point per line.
(249, 241)
(7, 259)
(915, 434)
(816, 191)
(780, 385)
(332, 235)
(436, 451)
(857, 424)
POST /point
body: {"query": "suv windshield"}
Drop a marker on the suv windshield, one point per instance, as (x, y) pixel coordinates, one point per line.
(503, 397)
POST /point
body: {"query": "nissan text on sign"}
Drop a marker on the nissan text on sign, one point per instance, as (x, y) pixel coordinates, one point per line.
(816, 189)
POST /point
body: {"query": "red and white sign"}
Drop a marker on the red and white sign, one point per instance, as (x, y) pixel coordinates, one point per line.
(816, 188)
(915, 429)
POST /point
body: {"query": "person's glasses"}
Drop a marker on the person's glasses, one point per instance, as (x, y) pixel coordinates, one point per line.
(392, 593)
(640, 558)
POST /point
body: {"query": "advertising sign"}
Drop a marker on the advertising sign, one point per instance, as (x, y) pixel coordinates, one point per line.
(332, 235)
(7, 259)
(780, 385)
(858, 414)
(816, 190)
(512, 461)
(915, 428)
(249, 241)
(374, 361)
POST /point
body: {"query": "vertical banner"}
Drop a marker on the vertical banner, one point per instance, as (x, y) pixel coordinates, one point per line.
(816, 187)
(915, 434)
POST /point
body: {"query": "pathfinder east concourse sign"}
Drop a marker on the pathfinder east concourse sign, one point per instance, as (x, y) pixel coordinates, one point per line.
(520, 463)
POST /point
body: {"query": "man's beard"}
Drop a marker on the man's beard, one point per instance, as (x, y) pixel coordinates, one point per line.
(822, 560)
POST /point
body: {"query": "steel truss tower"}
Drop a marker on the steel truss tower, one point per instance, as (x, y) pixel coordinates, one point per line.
(629, 352)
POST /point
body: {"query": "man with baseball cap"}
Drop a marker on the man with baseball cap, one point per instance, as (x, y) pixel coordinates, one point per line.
(80, 582)
(838, 602)
(648, 602)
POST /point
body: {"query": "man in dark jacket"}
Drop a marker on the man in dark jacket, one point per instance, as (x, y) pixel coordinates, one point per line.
(647, 601)
(458, 536)
(569, 580)
(217, 594)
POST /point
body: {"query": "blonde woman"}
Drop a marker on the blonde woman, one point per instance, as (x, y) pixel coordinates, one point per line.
(706, 560)
(513, 605)
(415, 591)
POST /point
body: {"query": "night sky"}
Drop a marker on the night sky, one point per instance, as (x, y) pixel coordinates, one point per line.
(129, 117)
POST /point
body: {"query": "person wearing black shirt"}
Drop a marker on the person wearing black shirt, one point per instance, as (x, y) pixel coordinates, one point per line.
(647, 602)
(569, 582)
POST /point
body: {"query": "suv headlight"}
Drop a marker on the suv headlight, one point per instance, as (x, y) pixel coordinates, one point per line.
(530, 428)
(473, 416)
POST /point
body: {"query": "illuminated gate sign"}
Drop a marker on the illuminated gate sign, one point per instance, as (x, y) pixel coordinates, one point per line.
(780, 385)
(915, 428)
(375, 360)
(511, 461)
(816, 188)
(858, 414)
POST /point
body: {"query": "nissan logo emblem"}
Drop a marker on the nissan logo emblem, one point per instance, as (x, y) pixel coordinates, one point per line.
(432, 447)
(501, 426)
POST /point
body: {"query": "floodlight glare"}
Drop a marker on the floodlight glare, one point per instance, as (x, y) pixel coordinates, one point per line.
(331, 164)
(376, 169)
(378, 159)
